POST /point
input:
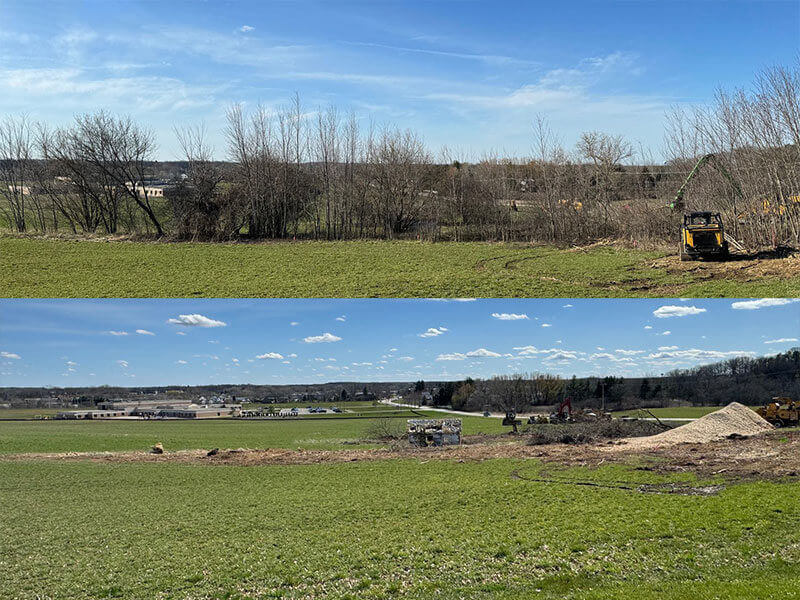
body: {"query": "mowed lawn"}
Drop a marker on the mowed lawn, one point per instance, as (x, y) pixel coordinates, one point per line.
(386, 529)
(109, 436)
(62, 268)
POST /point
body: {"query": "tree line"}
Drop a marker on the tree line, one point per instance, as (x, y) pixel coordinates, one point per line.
(743, 379)
(322, 175)
(751, 381)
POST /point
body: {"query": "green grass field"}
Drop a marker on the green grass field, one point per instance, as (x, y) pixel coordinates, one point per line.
(386, 529)
(27, 413)
(60, 268)
(108, 436)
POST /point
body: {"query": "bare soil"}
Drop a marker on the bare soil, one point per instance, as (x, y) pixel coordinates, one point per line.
(781, 263)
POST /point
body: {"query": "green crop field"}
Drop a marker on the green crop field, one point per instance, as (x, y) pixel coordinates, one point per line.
(386, 529)
(27, 413)
(61, 268)
(109, 436)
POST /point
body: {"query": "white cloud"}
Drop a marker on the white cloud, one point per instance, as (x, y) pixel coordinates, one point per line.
(405, 358)
(270, 356)
(294, 323)
(562, 355)
(697, 354)
(118, 333)
(342, 318)
(13, 355)
(781, 341)
(611, 357)
(546, 325)
(325, 337)
(533, 350)
(453, 356)
(762, 303)
(123, 363)
(144, 332)
(665, 312)
(180, 332)
(648, 326)
(665, 333)
(246, 28)
(293, 355)
(196, 321)
(482, 353)
(667, 348)
(181, 362)
(510, 316)
(433, 332)
(568, 306)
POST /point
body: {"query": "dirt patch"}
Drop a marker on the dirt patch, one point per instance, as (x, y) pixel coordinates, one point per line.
(735, 420)
(742, 267)
(644, 488)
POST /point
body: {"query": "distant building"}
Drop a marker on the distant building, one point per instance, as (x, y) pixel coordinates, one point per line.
(154, 410)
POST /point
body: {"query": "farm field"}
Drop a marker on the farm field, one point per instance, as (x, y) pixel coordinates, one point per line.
(385, 529)
(110, 436)
(33, 267)
(28, 413)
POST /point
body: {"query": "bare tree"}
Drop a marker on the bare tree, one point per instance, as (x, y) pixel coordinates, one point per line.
(101, 160)
(401, 180)
(268, 150)
(16, 177)
(201, 208)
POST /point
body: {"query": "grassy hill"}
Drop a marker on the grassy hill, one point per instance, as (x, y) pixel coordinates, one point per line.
(32, 267)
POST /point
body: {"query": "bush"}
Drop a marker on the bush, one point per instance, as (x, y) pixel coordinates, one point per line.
(386, 429)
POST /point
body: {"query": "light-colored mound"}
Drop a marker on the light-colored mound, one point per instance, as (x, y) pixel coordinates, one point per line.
(733, 419)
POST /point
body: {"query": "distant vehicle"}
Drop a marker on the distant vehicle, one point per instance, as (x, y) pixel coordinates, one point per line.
(703, 236)
(336, 409)
(781, 412)
(486, 413)
(322, 410)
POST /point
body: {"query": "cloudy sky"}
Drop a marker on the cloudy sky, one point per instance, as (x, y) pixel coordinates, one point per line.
(469, 75)
(181, 342)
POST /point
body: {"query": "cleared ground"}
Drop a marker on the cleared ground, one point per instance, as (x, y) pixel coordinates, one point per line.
(34, 267)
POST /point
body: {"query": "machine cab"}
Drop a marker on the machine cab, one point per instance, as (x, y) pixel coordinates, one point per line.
(702, 219)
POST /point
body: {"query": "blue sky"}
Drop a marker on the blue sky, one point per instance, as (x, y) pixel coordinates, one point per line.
(469, 75)
(182, 342)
